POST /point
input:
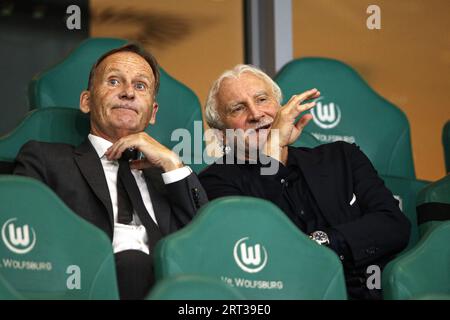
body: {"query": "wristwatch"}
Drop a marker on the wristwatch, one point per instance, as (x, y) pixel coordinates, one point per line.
(320, 237)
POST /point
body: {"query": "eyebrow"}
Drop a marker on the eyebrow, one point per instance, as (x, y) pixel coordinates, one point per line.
(236, 103)
(139, 75)
(260, 93)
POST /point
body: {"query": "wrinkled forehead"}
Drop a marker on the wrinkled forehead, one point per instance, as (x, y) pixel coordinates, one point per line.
(246, 85)
(128, 63)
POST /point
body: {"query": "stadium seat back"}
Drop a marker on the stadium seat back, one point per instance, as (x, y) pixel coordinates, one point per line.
(48, 125)
(405, 190)
(424, 270)
(193, 287)
(179, 121)
(432, 297)
(350, 110)
(62, 84)
(251, 245)
(47, 251)
(56, 124)
(7, 292)
(433, 204)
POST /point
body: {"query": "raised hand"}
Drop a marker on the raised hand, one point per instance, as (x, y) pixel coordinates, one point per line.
(285, 130)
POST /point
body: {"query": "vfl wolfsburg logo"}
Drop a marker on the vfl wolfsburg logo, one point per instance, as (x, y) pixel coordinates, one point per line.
(326, 116)
(251, 259)
(18, 239)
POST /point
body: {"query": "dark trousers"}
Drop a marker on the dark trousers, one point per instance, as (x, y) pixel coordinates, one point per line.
(135, 276)
(356, 282)
(357, 290)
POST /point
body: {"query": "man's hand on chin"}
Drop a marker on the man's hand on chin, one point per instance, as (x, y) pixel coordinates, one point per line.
(156, 154)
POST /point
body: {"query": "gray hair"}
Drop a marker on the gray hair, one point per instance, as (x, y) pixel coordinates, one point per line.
(211, 114)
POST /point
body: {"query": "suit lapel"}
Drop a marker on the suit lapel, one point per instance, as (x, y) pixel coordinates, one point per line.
(316, 175)
(161, 207)
(91, 168)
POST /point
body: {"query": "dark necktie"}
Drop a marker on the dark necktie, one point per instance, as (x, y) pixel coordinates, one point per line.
(129, 197)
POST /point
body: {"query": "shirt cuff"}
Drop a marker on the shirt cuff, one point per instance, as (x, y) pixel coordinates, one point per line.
(176, 175)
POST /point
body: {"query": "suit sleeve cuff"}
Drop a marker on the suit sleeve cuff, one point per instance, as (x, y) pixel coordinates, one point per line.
(339, 245)
(176, 175)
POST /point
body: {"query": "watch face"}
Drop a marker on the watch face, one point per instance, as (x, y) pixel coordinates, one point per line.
(320, 237)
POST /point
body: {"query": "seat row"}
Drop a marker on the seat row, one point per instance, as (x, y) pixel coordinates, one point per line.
(235, 248)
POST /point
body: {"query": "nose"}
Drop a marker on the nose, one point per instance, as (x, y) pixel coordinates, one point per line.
(127, 92)
(255, 114)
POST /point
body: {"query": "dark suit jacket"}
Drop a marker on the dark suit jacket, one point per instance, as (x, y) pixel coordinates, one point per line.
(373, 226)
(76, 175)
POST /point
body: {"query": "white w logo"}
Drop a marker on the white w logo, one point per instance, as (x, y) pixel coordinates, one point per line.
(326, 116)
(326, 112)
(15, 236)
(18, 239)
(249, 256)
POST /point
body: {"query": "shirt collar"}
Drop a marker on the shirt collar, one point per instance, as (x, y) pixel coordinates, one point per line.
(100, 145)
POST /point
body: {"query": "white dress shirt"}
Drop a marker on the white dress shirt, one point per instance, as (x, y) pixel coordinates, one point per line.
(131, 236)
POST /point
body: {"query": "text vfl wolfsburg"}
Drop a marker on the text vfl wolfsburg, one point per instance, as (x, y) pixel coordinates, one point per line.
(258, 284)
(26, 265)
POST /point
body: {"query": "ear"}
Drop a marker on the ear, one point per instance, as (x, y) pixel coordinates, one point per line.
(153, 115)
(85, 98)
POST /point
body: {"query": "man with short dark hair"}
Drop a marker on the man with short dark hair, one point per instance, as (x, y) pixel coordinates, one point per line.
(331, 193)
(136, 201)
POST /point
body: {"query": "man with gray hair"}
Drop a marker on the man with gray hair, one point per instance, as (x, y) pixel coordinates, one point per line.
(331, 192)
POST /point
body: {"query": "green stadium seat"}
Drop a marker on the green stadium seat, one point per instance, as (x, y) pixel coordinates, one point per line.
(62, 84)
(424, 270)
(446, 144)
(432, 297)
(47, 251)
(350, 110)
(433, 204)
(48, 125)
(252, 246)
(179, 119)
(193, 287)
(306, 140)
(179, 107)
(406, 190)
(7, 292)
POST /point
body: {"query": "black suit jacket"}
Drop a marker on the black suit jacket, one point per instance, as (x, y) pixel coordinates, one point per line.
(373, 226)
(76, 175)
